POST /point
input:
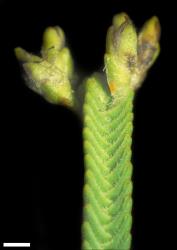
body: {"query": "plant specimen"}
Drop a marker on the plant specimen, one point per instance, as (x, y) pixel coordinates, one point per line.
(107, 112)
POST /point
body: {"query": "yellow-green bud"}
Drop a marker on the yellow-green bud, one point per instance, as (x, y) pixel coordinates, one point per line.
(121, 54)
(148, 50)
(50, 75)
(129, 57)
(148, 43)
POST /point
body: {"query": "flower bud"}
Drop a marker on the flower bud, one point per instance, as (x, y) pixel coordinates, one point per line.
(148, 50)
(51, 74)
(121, 54)
(148, 43)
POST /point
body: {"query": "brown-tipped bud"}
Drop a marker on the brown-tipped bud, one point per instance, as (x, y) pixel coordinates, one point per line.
(148, 43)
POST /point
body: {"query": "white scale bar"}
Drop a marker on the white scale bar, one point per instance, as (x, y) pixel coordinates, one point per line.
(16, 244)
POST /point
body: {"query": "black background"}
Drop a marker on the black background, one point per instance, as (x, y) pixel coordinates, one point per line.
(41, 161)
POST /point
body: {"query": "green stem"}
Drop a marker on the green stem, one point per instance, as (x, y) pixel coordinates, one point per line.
(107, 189)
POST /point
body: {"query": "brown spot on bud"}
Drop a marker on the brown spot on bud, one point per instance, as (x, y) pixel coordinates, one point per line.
(65, 102)
(131, 61)
(146, 51)
(112, 87)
